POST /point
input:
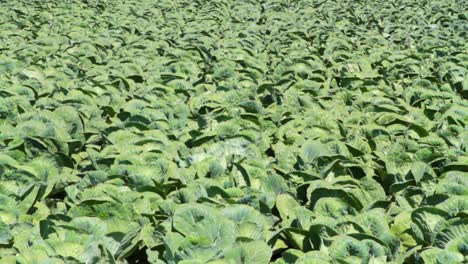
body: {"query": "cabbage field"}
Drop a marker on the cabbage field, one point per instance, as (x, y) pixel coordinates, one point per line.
(233, 131)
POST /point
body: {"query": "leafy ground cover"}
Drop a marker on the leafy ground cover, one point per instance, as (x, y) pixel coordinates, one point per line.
(189, 131)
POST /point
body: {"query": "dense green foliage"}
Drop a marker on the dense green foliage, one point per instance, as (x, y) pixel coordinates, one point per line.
(233, 131)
